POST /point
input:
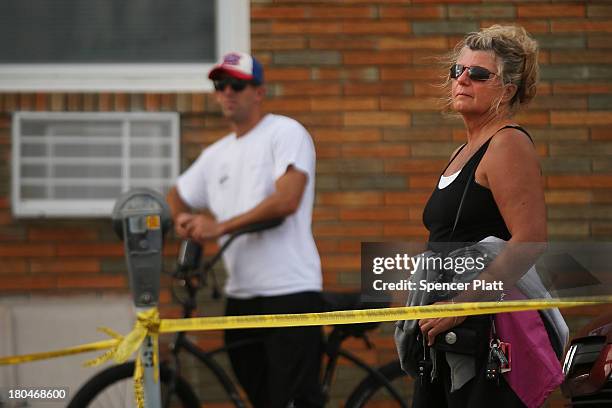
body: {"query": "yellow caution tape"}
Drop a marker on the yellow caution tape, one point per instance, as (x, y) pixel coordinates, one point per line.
(149, 323)
(85, 348)
(367, 315)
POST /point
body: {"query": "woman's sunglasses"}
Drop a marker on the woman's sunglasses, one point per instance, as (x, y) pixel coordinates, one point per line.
(237, 85)
(475, 73)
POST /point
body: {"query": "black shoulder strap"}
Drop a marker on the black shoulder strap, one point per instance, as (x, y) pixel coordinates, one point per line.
(465, 190)
(480, 151)
(517, 127)
(453, 157)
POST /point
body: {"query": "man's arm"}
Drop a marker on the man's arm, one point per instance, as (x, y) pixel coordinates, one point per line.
(283, 202)
(180, 212)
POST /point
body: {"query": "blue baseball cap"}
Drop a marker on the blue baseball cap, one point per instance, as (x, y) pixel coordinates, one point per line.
(238, 65)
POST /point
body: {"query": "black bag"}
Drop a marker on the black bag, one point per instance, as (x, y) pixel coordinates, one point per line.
(408, 337)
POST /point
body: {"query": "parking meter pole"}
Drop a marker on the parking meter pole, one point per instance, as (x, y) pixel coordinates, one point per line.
(141, 218)
(152, 391)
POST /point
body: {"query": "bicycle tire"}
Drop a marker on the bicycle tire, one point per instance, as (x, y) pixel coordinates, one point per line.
(99, 384)
(371, 388)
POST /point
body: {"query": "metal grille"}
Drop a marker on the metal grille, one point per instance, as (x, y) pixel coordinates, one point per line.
(76, 164)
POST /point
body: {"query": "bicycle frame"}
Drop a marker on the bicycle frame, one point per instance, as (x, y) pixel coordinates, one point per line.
(182, 343)
(331, 344)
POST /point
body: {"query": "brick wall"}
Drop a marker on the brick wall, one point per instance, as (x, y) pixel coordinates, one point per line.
(358, 74)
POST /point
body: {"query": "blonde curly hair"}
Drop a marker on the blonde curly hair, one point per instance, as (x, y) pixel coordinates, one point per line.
(517, 60)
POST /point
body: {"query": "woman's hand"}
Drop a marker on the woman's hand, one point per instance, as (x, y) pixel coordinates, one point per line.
(432, 327)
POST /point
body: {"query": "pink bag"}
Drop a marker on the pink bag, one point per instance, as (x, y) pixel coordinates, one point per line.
(536, 372)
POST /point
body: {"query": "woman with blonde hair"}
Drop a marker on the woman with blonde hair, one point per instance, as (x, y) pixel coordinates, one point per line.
(493, 73)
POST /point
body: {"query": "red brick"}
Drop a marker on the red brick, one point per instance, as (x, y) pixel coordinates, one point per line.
(324, 214)
(327, 245)
(6, 218)
(414, 166)
(382, 27)
(343, 74)
(582, 181)
(350, 246)
(544, 57)
(61, 234)
(277, 43)
(343, 104)
(423, 181)
(198, 102)
(428, 89)
(411, 103)
(580, 57)
(377, 58)
(122, 102)
(41, 102)
(327, 151)
(568, 197)
(416, 214)
(406, 198)
(310, 89)
(376, 119)
(287, 105)
(446, 1)
(379, 150)
(92, 282)
(345, 135)
(411, 12)
(600, 41)
(375, 214)
(532, 118)
(550, 10)
(12, 266)
(405, 230)
(402, 43)
(601, 134)
(309, 27)
(590, 26)
(336, 13)
(28, 283)
(573, 118)
(412, 73)
(98, 249)
(287, 74)
(340, 262)
(347, 230)
(73, 265)
(349, 198)
(375, 89)
(352, 43)
(276, 12)
(27, 250)
(27, 101)
(167, 102)
(582, 88)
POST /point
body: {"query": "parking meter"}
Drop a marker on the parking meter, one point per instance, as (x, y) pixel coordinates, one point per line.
(141, 218)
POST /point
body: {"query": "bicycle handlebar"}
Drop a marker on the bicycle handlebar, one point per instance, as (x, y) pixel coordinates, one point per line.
(190, 251)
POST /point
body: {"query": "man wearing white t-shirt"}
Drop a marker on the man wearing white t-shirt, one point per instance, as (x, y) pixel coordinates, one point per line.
(264, 169)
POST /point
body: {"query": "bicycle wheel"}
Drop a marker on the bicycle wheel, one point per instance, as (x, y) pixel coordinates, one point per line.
(371, 392)
(114, 388)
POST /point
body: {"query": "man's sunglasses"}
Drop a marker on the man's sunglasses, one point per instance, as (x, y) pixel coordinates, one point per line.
(475, 73)
(237, 85)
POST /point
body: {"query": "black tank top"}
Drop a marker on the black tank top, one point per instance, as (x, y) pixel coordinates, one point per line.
(479, 217)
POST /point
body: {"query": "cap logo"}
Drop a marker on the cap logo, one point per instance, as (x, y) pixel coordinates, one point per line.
(232, 59)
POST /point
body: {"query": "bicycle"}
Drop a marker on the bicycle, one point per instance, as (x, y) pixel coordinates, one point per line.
(113, 387)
